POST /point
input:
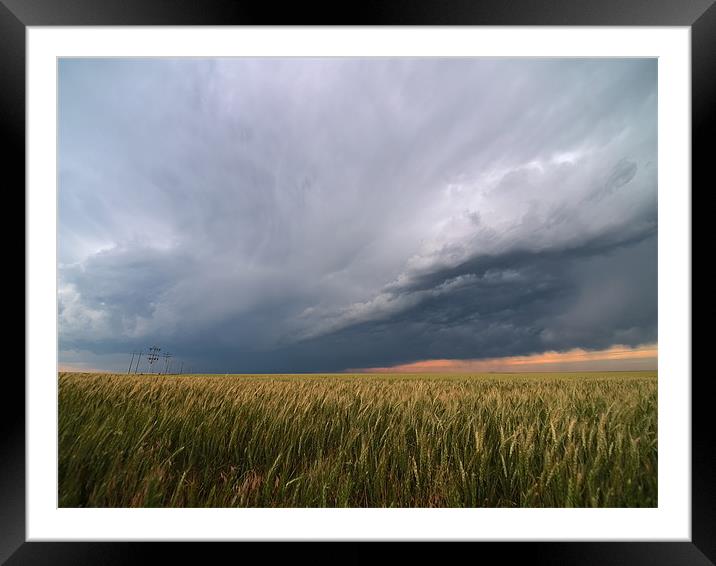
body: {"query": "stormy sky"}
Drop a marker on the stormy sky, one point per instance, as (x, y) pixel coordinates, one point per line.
(296, 214)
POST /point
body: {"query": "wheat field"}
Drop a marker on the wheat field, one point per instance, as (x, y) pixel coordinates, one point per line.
(339, 440)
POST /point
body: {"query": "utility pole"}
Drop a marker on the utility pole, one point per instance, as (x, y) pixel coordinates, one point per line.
(131, 363)
(181, 368)
(153, 356)
(136, 368)
(166, 357)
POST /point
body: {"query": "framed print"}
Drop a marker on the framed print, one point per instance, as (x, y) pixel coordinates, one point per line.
(423, 275)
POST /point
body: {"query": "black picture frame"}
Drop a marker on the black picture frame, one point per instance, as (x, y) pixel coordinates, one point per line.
(16, 15)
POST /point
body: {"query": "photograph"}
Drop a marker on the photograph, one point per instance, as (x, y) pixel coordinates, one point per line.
(357, 282)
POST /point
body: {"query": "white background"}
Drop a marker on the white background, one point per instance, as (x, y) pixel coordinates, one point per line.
(670, 521)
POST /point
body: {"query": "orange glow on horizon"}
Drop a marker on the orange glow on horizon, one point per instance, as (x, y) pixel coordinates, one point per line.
(614, 358)
(79, 368)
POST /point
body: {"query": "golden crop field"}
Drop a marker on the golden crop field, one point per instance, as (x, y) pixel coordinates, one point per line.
(339, 440)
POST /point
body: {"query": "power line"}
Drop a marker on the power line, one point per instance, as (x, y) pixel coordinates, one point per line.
(153, 356)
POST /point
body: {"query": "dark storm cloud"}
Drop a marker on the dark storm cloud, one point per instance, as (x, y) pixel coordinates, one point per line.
(319, 214)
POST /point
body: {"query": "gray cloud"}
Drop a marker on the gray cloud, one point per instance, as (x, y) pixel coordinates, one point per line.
(319, 214)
